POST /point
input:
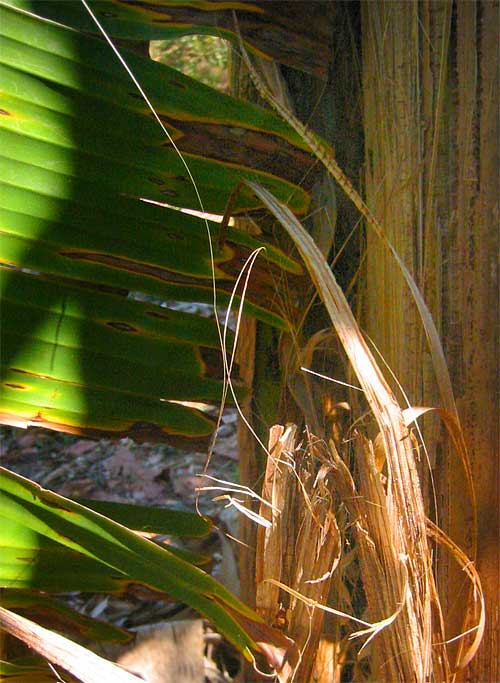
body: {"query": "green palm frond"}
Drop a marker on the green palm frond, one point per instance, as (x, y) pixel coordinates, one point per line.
(82, 160)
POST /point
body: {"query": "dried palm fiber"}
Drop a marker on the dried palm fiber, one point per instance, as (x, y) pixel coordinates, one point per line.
(399, 93)
(429, 99)
(393, 153)
(410, 634)
(394, 149)
(299, 549)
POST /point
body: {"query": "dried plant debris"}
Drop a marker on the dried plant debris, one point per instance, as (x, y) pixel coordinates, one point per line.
(330, 572)
(395, 552)
(298, 553)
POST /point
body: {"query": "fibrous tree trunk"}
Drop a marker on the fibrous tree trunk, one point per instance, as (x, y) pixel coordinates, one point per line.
(430, 114)
(432, 167)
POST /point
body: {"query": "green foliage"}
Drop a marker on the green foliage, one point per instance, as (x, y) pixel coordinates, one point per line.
(46, 531)
(84, 168)
(80, 154)
(205, 58)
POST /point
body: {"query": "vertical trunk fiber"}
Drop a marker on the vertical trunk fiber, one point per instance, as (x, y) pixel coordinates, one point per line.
(431, 140)
(472, 328)
(393, 181)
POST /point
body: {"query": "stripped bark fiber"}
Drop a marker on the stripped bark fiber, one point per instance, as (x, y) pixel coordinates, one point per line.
(384, 570)
(432, 188)
(300, 549)
(298, 553)
(412, 630)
